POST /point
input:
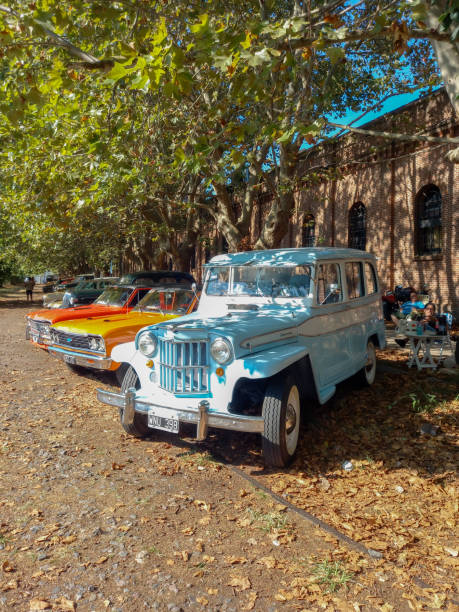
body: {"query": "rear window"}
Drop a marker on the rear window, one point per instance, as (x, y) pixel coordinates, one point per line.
(354, 279)
(370, 274)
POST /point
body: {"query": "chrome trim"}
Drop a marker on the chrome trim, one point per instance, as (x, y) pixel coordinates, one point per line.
(199, 415)
(203, 422)
(97, 362)
(129, 411)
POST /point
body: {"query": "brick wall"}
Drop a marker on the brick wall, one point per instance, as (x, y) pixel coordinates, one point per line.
(386, 177)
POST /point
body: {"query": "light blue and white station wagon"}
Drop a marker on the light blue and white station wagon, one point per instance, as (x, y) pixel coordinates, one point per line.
(274, 331)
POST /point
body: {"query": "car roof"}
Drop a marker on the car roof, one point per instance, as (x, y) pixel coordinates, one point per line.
(286, 257)
(156, 273)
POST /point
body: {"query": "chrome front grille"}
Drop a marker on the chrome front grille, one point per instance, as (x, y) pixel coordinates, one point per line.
(183, 366)
(39, 329)
(66, 339)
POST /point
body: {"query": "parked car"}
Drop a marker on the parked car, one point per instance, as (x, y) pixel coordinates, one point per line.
(114, 300)
(274, 331)
(88, 343)
(54, 298)
(157, 277)
(49, 281)
(87, 291)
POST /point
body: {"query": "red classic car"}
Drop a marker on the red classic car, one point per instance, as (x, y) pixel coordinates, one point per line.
(114, 300)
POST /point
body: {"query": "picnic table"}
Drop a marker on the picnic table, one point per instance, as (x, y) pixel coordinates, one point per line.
(420, 350)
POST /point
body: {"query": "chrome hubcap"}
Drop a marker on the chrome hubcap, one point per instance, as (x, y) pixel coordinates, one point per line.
(290, 420)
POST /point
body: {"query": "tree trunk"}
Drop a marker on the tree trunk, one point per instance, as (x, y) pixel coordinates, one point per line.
(447, 53)
(282, 206)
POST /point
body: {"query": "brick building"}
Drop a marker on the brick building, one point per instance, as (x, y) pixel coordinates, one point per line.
(398, 200)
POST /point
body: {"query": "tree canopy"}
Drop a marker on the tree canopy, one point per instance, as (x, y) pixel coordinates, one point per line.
(132, 125)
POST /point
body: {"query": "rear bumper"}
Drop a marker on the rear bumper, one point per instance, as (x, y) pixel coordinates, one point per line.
(97, 362)
(199, 414)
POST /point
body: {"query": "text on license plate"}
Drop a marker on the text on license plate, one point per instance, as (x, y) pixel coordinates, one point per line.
(164, 419)
(69, 359)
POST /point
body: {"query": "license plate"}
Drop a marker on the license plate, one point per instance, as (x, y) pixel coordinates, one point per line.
(69, 359)
(164, 419)
(34, 338)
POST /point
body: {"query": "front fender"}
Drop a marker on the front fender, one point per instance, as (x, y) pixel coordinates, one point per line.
(124, 353)
(270, 362)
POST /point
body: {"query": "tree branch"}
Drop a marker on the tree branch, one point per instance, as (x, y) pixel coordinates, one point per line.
(395, 135)
(362, 35)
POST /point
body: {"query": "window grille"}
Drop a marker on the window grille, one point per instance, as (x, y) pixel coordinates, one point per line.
(428, 221)
(357, 236)
(309, 231)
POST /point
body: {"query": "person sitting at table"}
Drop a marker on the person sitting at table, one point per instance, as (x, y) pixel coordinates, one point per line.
(406, 308)
(429, 318)
(428, 321)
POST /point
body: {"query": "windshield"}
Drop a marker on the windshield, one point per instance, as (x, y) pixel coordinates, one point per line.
(168, 302)
(116, 296)
(267, 281)
(82, 285)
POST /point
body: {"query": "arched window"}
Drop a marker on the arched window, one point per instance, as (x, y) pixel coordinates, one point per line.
(428, 221)
(308, 237)
(357, 236)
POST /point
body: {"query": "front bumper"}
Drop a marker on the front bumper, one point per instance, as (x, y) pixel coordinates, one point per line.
(200, 415)
(81, 359)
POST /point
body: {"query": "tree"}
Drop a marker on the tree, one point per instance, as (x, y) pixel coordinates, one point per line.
(233, 94)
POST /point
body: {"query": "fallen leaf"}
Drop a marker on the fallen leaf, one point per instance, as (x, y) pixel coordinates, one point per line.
(8, 567)
(232, 560)
(117, 466)
(202, 600)
(69, 539)
(39, 604)
(188, 531)
(65, 604)
(202, 505)
(100, 560)
(124, 528)
(251, 599)
(270, 562)
(212, 591)
(240, 583)
(10, 586)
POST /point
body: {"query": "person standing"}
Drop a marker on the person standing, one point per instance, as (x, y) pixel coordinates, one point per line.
(29, 284)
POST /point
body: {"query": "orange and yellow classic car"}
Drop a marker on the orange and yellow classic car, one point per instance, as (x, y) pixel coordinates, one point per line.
(88, 343)
(118, 299)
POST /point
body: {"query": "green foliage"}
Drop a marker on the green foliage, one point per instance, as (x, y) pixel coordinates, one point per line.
(117, 118)
(421, 402)
(332, 575)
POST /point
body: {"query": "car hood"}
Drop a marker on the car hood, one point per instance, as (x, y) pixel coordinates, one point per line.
(244, 328)
(107, 325)
(78, 312)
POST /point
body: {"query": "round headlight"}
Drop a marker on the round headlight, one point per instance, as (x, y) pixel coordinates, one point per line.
(221, 350)
(147, 344)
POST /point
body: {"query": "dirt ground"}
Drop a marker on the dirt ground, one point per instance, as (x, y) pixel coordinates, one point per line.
(91, 519)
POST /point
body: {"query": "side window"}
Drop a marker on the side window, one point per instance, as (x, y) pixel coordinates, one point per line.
(138, 296)
(370, 274)
(328, 284)
(354, 279)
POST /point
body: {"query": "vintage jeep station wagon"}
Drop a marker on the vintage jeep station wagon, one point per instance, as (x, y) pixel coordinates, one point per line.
(274, 330)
